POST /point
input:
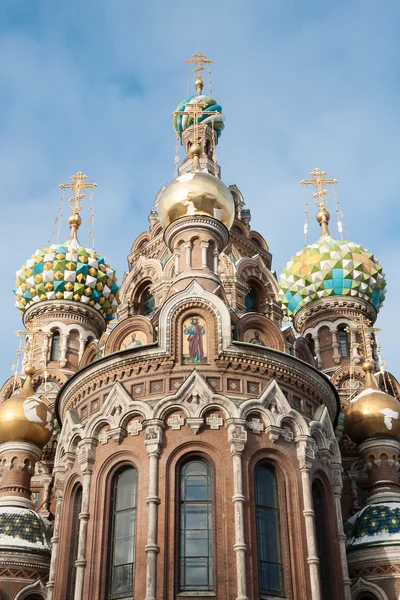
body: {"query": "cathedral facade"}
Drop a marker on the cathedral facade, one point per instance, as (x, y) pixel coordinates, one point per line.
(202, 430)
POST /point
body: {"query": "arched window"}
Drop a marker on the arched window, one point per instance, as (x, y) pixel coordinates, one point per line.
(270, 566)
(77, 506)
(323, 540)
(195, 546)
(55, 346)
(121, 570)
(344, 342)
(251, 301)
(148, 303)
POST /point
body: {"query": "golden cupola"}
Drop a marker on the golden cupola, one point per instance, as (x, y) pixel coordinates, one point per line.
(373, 413)
(25, 416)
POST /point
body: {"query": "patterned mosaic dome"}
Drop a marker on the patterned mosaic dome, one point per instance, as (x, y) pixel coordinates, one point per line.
(22, 528)
(67, 272)
(374, 524)
(182, 122)
(331, 268)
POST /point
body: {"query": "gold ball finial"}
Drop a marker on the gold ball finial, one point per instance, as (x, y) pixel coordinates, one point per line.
(195, 152)
(30, 370)
(75, 220)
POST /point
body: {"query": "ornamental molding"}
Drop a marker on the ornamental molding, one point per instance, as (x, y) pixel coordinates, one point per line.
(65, 309)
(37, 588)
(364, 585)
(335, 304)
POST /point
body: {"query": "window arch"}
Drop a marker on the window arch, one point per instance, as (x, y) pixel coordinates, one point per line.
(121, 566)
(252, 299)
(55, 346)
(74, 541)
(270, 562)
(147, 302)
(343, 341)
(195, 544)
(323, 540)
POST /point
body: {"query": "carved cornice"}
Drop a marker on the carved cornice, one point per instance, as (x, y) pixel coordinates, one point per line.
(198, 223)
(64, 309)
(336, 304)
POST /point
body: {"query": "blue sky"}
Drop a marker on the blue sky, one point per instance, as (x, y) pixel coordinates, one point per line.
(90, 85)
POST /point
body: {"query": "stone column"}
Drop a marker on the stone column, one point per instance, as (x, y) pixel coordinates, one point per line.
(305, 455)
(237, 437)
(177, 260)
(188, 255)
(337, 485)
(63, 349)
(215, 256)
(82, 343)
(59, 474)
(335, 346)
(317, 349)
(204, 248)
(86, 454)
(45, 348)
(152, 439)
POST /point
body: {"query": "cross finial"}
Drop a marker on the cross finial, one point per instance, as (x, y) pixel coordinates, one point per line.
(32, 344)
(199, 59)
(78, 185)
(319, 181)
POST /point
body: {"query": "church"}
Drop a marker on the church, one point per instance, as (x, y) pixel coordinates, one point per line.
(200, 428)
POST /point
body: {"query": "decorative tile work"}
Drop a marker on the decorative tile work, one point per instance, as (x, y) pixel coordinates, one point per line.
(253, 387)
(234, 385)
(331, 268)
(21, 526)
(175, 383)
(67, 272)
(157, 387)
(374, 524)
(214, 383)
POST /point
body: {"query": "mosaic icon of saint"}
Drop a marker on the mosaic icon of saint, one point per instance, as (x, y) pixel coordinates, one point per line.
(195, 333)
(256, 339)
(134, 342)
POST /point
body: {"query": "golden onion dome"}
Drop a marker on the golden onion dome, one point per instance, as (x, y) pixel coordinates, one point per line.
(196, 193)
(373, 413)
(25, 416)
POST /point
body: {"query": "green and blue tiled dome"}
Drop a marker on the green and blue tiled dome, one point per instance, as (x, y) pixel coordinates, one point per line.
(67, 272)
(374, 524)
(331, 268)
(24, 529)
(206, 104)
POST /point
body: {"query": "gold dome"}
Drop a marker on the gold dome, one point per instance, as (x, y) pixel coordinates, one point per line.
(196, 193)
(372, 413)
(25, 416)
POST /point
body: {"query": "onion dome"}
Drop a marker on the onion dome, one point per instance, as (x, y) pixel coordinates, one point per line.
(373, 413)
(205, 105)
(23, 529)
(196, 193)
(374, 524)
(330, 268)
(25, 416)
(68, 272)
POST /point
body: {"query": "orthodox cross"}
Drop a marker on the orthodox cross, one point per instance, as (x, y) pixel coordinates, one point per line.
(363, 325)
(31, 343)
(78, 185)
(318, 180)
(199, 59)
(195, 111)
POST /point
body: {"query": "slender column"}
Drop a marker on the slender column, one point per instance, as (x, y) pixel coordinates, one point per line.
(45, 349)
(237, 437)
(82, 343)
(204, 247)
(317, 349)
(152, 440)
(215, 256)
(86, 455)
(177, 260)
(335, 346)
(63, 349)
(59, 473)
(305, 455)
(337, 482)
(353, 344)
(188, 246)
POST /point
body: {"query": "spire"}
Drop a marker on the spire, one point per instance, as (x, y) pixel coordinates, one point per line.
(319, 181)
(78, 185)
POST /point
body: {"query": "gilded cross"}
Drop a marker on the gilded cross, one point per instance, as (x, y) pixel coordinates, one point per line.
(78, 185)
(319, 181)
(199, 59)
(363, 325)
(31, 335)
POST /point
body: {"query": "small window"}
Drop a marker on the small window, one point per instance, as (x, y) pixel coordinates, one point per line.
(121, 573)
(77, 506)
(344, 343)
(55, 346)
(195, 565)
(251, 301)
(148, 303)
(270, 566)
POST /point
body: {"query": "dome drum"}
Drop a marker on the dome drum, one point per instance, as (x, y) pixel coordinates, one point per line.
(199, 223)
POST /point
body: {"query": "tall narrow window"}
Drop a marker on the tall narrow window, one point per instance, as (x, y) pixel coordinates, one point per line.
(196, 527)
(251, 301)
(77, 505)
(323, 540)
(148, 303)
(344, 343)
(270, 567)
(55, 346)
(123, 535)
